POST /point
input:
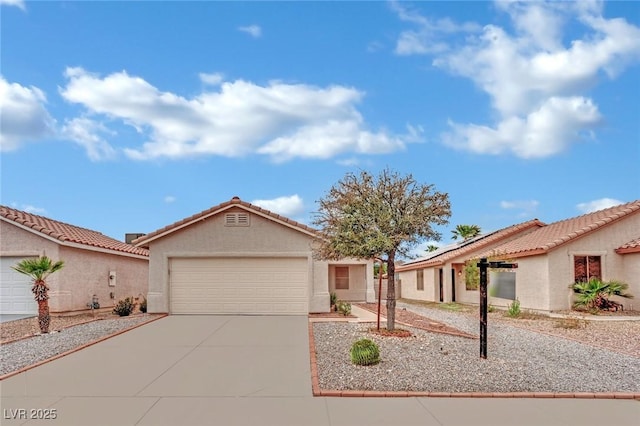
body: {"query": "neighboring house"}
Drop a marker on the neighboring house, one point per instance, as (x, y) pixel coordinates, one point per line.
(603, 244)
(439, 276)
(238, 258)
(94, 264)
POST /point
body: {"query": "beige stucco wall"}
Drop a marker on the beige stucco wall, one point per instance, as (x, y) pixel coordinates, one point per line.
(15, 241)
(358, 281)
(631, 266)
(263, 238)
(85, 272)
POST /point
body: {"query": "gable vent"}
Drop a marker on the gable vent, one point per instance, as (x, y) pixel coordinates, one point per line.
(236, 219)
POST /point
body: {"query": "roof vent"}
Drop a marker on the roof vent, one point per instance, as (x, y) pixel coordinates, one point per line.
(236, 219)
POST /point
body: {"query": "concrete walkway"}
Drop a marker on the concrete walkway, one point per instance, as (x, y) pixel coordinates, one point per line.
(244, 370)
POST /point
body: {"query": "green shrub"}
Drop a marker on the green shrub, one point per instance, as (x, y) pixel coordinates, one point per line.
(143, 305)
(365, 352)
(124, 307)
(344, 308)
(514, 309)
(594, 294)
(333, 297)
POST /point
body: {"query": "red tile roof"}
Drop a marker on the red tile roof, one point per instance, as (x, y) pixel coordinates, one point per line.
(478, 243)
(65, 233)
(559, 233)
(234, 202)
(632, 246)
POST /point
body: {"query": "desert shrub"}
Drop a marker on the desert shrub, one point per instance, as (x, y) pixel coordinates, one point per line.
(595, 293)
(124, 307)
(143, 305)
(570, 323)
(344, 308)
(365, 352)
(333, 297)
(514, 309)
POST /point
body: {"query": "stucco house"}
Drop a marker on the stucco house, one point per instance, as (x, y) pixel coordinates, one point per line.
(439, 275)
(94, 264)
(238, 258)
(604, 244)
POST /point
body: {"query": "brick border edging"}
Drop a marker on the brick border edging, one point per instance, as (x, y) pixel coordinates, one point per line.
(76, 349)
(458, 333)
(315, 388)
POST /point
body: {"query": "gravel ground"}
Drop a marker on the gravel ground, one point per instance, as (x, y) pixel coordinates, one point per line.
(21, 353)
(519, 359)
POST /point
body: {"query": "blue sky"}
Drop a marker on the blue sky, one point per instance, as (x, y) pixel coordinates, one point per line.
(128, 116)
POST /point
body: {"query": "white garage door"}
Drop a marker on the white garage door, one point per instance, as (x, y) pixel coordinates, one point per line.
(275, 286)
(15, 289)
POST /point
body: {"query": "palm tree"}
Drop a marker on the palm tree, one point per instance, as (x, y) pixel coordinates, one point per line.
(595, 293)
(39, 269)
(432, 247)
(466, 232)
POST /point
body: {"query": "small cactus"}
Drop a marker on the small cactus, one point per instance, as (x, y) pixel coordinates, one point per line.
(365, 352)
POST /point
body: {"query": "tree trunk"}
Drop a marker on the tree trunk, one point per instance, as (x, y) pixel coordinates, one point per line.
(391, 292)
(43, 316)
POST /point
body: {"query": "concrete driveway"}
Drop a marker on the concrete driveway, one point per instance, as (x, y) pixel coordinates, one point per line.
(244, 370)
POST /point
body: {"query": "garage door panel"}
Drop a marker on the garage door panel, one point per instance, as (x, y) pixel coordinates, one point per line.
(15, 289)
(239, 285)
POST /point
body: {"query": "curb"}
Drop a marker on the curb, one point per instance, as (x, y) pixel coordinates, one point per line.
(86, 345)
(317, 391)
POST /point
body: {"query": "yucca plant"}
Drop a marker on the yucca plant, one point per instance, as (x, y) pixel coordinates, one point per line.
(595, 293)
(39, 270)
(365, 352)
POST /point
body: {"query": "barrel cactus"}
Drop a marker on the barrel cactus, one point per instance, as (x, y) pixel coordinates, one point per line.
(365, 352)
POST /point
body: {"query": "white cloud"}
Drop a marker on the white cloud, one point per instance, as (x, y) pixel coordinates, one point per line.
(235, 119)
(288, 206)
(29, 208)
(526, 207)
(253, 30)
(429, 37)
(537, 83)
(544, 132)
(85, 132)
(17, 3)
(170, 199)
(24, 116)
(600, 204)
(211, 79)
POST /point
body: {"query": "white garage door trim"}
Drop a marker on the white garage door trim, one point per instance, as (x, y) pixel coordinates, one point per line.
(15, 289)
(239, 285)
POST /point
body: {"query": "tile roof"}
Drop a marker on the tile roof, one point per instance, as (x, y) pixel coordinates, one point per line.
(65, 233)
(632, 246)
(234, 202)
(559, 233)
(460, 249)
